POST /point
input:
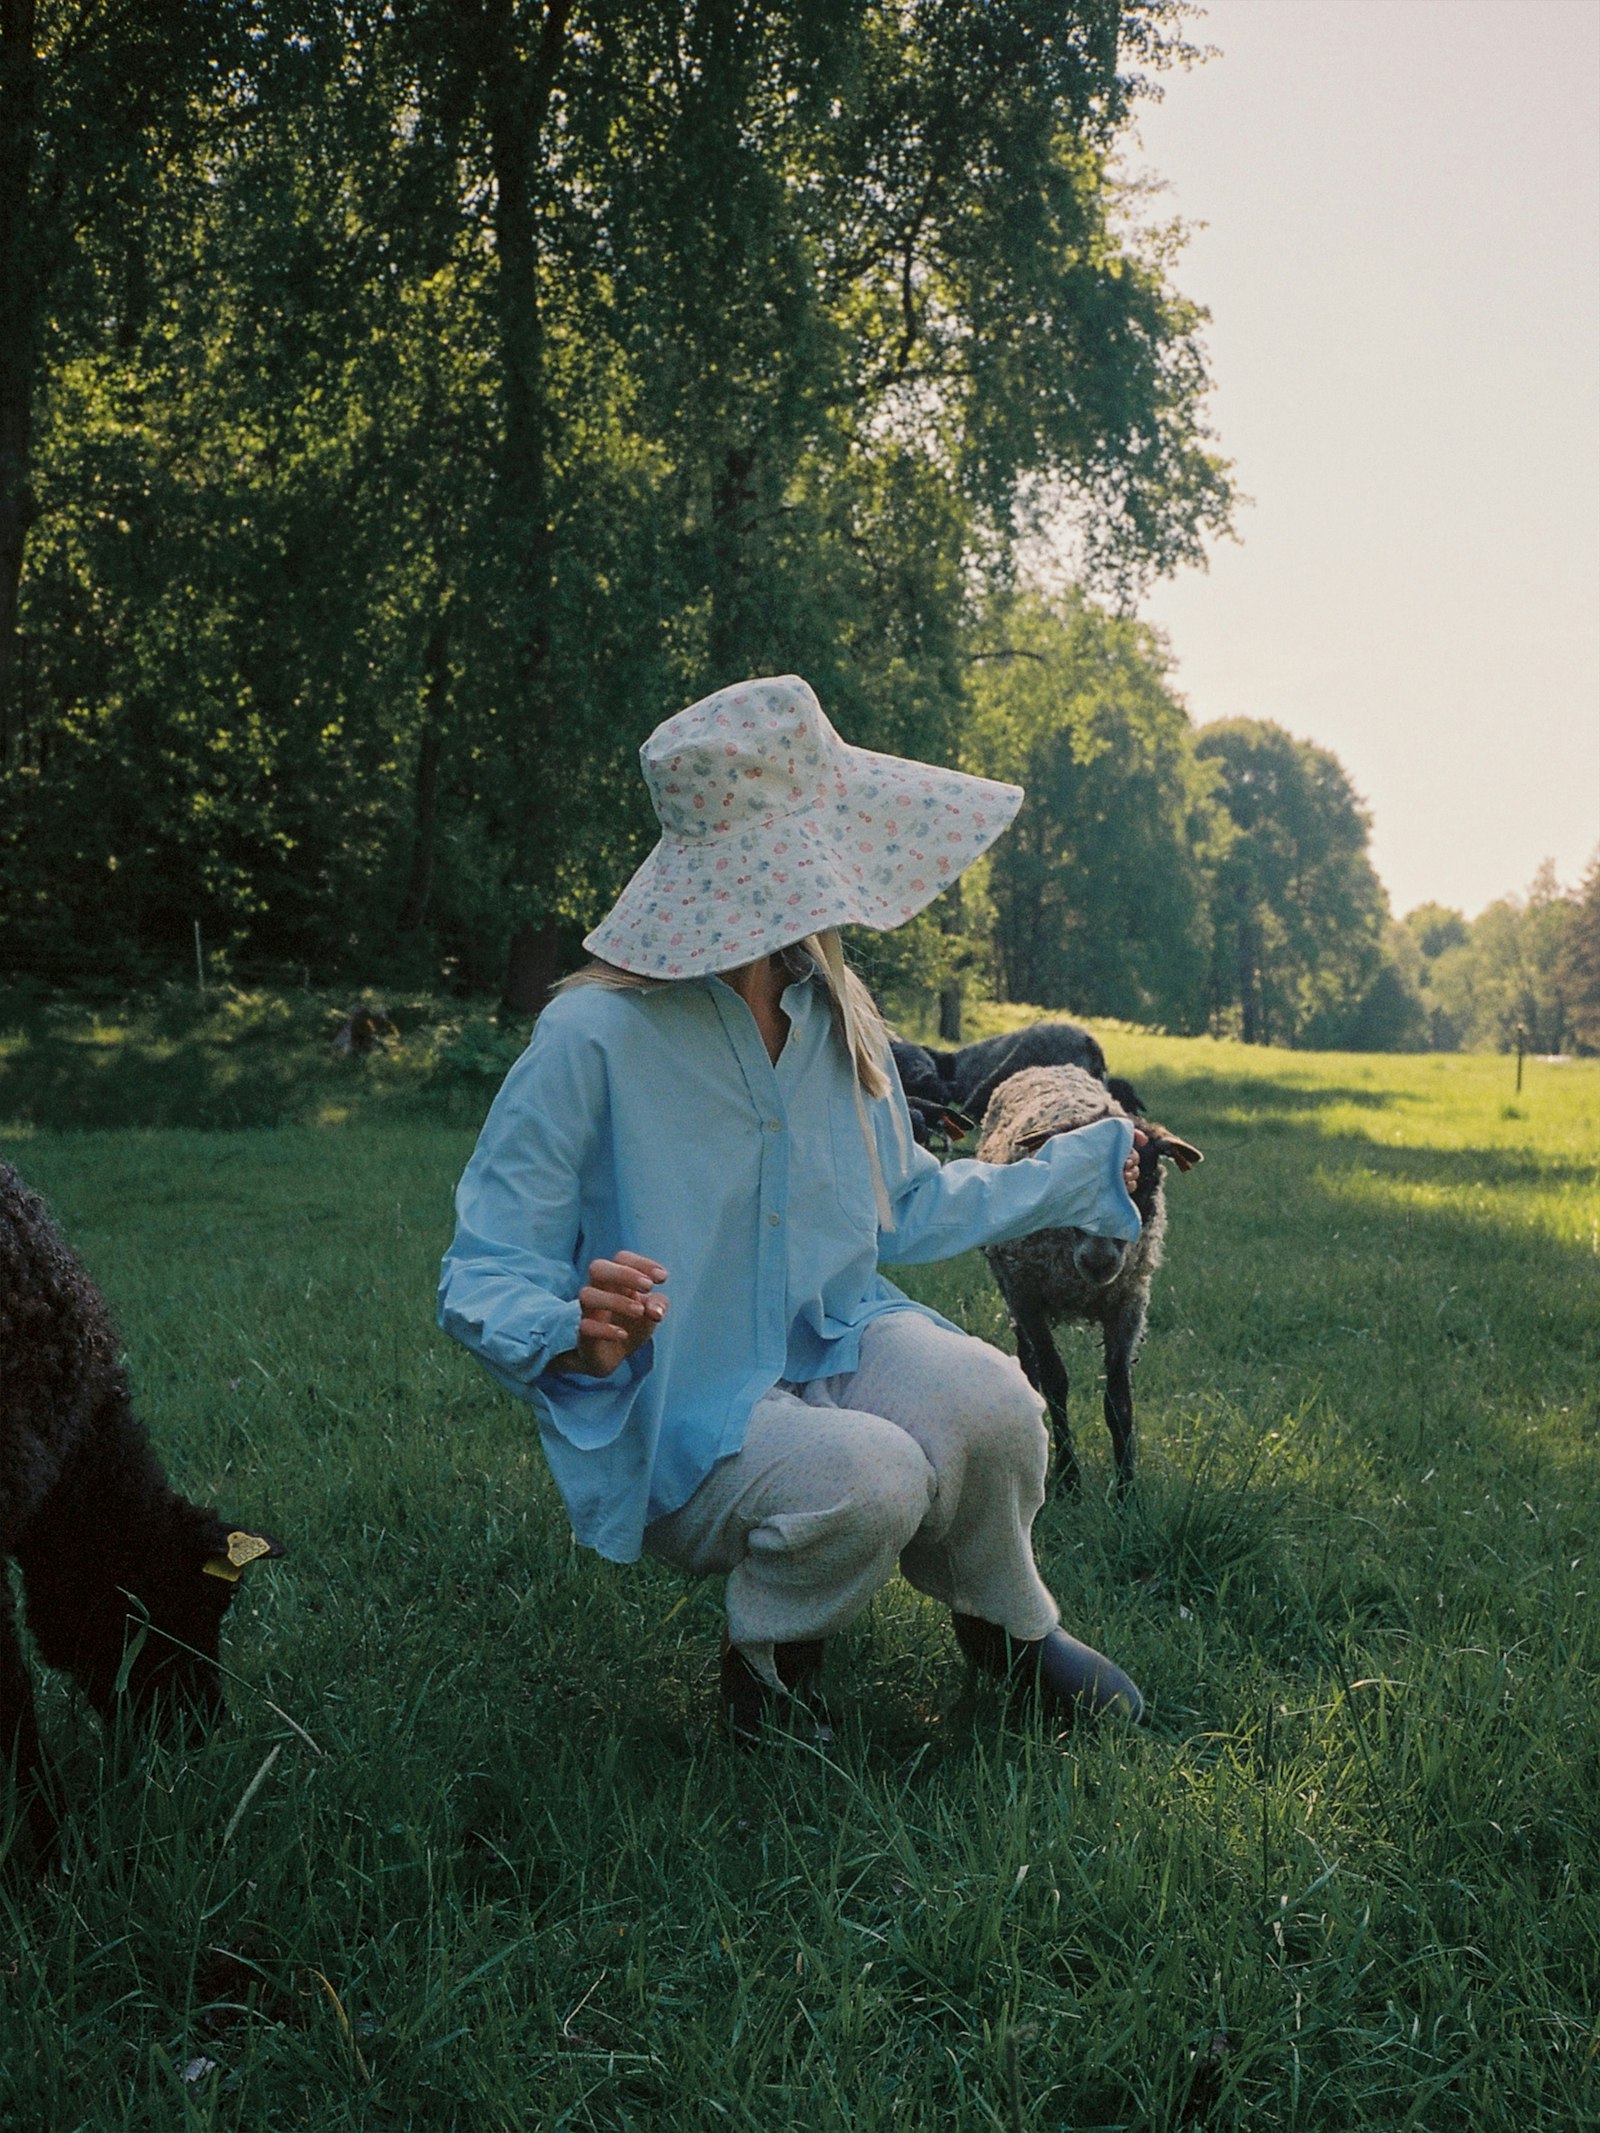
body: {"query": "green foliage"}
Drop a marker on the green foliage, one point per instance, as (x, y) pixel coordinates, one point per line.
(1579, 961)
(236, 1059)
(459, 389)
(468, 1850)
(1434, 928)
(1526, 963)
(1299, 914)
(1102, 887)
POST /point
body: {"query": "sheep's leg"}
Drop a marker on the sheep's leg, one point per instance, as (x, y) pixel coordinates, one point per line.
(20, 1748)
(1047, 1374)
(1122, 1339)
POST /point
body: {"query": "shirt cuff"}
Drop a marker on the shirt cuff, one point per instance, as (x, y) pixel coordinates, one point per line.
(588, 1411)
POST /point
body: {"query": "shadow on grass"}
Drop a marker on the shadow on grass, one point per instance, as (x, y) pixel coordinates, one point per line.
(1264, 1096)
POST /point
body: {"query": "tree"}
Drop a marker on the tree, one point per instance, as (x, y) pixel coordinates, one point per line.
(1299, 913)
(1424, 943)
(1512, 972)
(1101, 888)
(493, 376)
(94, 103)
(1578, 961)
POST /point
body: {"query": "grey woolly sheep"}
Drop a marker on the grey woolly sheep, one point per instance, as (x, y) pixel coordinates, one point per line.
(114, 1562)
(1059, 1274)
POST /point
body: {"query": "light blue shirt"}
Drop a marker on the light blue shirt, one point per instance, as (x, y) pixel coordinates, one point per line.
(654, 1121)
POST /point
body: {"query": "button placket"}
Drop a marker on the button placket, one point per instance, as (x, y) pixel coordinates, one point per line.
(772, 1173)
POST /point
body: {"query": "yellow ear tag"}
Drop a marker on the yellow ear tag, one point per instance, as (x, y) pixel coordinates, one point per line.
(242, 1548)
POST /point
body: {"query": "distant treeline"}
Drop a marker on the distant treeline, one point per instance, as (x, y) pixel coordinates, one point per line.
(403, 409)
(1215, 877)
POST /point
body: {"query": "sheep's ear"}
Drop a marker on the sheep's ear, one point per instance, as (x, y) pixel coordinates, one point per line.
(238, 1550)
(1176, 1151)
(1031, 1143)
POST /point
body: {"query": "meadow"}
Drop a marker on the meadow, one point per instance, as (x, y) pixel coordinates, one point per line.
(469, 1852)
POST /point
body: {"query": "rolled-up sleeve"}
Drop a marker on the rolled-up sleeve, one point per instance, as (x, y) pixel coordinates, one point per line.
(940, 1209)
(509, 1284)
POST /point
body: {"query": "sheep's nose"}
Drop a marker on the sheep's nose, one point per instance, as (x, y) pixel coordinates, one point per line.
(1098, 1260)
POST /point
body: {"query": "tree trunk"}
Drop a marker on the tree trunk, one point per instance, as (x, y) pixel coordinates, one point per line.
(20, 269)
(531, 966)
(950, 921)
(731, 499)
(419, 883)
(516, 89)
(1249, 1000)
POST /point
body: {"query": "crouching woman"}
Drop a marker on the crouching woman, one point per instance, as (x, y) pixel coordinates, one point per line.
(668, 1235)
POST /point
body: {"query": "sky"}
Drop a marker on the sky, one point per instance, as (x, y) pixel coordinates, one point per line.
(1401, 258)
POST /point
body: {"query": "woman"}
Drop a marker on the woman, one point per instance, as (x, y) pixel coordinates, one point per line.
(708, 1110)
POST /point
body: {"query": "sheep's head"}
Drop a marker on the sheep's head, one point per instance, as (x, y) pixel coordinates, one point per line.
(1097, 1261)
(1069, 1100)
(154, 1651)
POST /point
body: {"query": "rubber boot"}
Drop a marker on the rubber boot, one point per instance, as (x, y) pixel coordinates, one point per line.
(1068, 1679)
(748, 1700)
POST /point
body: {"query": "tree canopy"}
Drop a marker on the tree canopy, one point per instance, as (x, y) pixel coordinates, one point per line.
(405, 408)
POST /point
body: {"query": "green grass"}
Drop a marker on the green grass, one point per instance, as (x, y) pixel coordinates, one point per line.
(468, 1853)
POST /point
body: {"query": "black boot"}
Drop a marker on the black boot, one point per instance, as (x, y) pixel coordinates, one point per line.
(1068, 1679)
(747, 1700)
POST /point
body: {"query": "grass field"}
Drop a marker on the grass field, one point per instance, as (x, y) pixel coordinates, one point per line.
(468, 1854)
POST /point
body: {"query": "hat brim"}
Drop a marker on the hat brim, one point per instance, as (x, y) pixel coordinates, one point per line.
(877, 848)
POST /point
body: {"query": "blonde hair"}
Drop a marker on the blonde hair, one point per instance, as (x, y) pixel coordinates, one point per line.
(855, 1016)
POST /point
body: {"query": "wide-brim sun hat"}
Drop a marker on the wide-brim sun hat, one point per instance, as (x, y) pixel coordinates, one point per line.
(773, 828)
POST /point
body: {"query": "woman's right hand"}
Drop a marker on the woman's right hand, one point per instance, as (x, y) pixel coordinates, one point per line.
(619, 1313)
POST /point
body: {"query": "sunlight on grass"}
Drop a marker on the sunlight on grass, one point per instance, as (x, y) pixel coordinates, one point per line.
(502, 1873)
(1564, 1211)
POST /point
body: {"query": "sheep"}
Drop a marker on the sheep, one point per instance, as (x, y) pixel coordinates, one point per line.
(946, 1091)
(126, 1582)
(936, 1120)
(977, 1070)
(1058, 1274)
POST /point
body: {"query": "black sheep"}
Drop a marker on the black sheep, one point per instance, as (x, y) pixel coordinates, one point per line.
(977, 1070)
(936, 1119)
(126, 1582)
(947, 1091)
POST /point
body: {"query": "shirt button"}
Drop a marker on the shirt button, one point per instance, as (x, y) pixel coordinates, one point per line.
(774, 1125)
(774, 1220)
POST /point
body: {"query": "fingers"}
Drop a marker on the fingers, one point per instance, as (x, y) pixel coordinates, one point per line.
(621, 1303)
(617, 1311)
(629, 1274)
(603, 1320)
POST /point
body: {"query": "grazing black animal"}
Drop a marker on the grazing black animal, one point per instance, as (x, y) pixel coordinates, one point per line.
(125, 1581)
(1059, 1274)
(977, 1070)
(946, 1092)
(936, 1119)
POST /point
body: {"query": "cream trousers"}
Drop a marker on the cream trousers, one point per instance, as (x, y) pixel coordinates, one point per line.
(931, 1452)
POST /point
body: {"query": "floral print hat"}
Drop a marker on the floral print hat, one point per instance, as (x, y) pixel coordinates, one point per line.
(772, 828)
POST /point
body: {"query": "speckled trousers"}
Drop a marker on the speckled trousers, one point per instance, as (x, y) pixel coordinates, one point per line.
(932, 1453)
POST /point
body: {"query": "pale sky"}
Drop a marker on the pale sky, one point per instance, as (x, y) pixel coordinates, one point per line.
(1402, 263)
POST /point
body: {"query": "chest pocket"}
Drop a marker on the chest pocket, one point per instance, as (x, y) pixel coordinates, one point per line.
(852, 1169)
